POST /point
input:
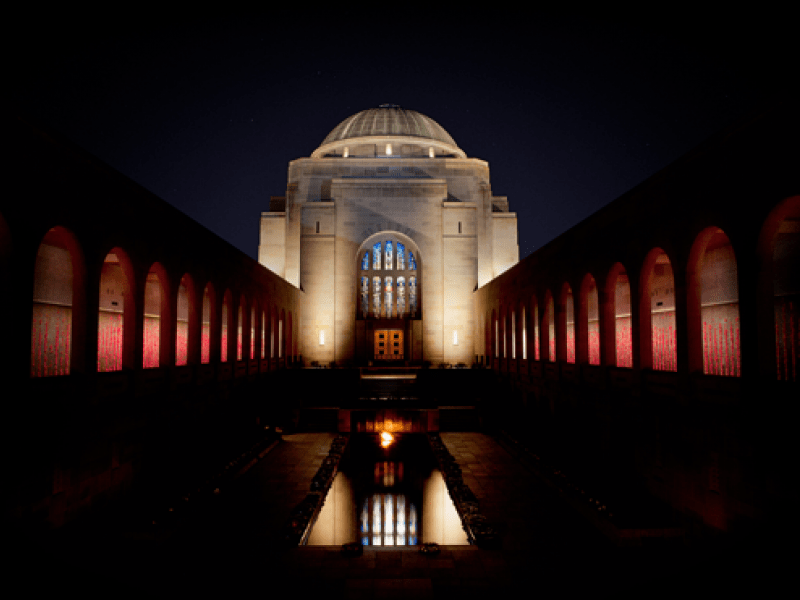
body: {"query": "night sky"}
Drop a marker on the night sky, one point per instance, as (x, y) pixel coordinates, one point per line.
(570, 111)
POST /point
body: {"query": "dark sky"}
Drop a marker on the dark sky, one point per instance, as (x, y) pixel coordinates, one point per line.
(570, 111)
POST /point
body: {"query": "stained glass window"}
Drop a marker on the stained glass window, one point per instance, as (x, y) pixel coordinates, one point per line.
(401, 295)
(412, 264)
(388, 296)
(376, 256)
(376, 295)
(365, 523)
(365, 261)
(388, 255)
(364, 295)
(401, 257)
(412, 293)
(412, 525)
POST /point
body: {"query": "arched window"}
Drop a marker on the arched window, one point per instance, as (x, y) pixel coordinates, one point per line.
(53, 288)
(393, 293)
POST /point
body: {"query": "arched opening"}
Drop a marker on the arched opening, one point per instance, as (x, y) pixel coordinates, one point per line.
(623, 340)
(185, 301)
(241, 311)
(568, 321)
(659, 287)
(263, 334)
(280, 334)
(57, 260)
(524, 333)
(115, 313)
(225, 325)
(252, 330)
(205, 325)
(155, 303)
(714, 290)
(590, 316)
(550, 327)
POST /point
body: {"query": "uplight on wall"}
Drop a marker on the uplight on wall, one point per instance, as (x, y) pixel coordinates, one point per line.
(430, 152)
(346, 152)
(321, 337)
(388, 149)
(455, 337)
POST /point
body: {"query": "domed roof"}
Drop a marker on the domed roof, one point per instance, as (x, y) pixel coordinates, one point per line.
(389, 119)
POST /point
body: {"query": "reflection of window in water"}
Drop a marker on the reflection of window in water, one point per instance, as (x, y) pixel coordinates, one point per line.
(388, 520)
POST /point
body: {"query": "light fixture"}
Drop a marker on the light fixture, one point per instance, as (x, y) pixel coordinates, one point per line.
(386, 439)
(321, 337)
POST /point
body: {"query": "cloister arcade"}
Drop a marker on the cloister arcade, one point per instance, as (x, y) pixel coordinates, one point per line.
(708, 311)
(173, 333)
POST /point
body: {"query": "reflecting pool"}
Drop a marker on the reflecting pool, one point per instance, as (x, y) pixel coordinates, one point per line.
(388, 496)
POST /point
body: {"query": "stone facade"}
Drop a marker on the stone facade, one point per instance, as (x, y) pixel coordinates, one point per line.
(391, 182)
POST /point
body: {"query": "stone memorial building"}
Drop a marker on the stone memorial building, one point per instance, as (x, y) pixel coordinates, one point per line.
(388, 227)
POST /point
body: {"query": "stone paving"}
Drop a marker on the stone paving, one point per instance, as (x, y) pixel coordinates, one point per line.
(233, 546)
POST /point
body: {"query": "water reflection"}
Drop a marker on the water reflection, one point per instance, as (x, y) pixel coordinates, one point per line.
(388, 497)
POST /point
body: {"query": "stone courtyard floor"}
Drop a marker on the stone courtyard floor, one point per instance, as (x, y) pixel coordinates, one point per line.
(232, 548)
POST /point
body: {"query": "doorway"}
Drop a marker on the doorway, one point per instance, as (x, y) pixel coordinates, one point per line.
(388, 344)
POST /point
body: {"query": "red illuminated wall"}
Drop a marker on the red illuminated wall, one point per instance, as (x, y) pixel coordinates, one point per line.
(594, 343)
(624, 342)
(109, 342)
(181, 341)
(151, 342)
(665, 357)
(205, 344)
(721, 347)
(50, 338)
(570, 342)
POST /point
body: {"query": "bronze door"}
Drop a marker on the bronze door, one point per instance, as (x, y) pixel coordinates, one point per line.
(388, 344)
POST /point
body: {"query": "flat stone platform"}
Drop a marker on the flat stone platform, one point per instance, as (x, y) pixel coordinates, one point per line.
(232, 546)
